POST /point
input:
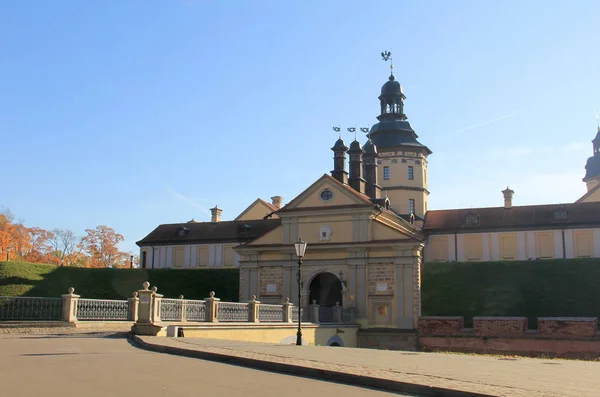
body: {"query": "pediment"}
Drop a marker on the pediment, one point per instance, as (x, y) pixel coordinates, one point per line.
(327, 192)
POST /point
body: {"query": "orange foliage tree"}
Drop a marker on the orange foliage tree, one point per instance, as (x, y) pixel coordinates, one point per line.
(100, 244)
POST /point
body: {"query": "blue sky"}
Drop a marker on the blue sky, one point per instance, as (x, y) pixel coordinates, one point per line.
(135, 113)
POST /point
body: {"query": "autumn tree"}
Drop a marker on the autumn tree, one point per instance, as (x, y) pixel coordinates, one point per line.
(6, 235)
(100, 244)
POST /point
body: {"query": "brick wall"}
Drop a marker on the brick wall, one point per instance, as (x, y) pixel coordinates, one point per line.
(271, 276)
(440, 325)
(567, 337)
(381, 274)
(499, 325)
(568, 326)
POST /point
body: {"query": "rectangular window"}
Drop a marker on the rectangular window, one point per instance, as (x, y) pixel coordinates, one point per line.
(411, 171)
(144, 259)
(411, 206)
(386, 172)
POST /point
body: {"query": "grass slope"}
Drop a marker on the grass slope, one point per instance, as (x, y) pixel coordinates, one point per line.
(32, 279)
(556, 288)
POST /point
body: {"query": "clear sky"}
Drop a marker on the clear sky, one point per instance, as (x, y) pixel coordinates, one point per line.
(135, 113)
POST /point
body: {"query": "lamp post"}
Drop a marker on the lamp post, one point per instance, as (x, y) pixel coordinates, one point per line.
(300, 246)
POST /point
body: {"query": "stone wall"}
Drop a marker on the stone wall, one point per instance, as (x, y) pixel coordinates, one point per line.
(574, 337)
(382, 274)
(271, 281)
(387, 339)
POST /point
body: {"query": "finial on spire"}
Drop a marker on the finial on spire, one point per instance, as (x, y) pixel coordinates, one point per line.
(352, 130)
(387, 56)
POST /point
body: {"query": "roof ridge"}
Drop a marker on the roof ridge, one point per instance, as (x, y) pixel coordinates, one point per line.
(588, 194)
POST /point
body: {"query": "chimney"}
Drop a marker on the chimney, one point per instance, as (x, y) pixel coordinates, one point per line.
(373, 189)
(277, 201)
(508, 195)
(339, 162)
(215, 214)
(356, 180)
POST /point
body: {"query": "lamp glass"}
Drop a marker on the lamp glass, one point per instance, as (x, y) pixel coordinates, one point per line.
(300, 246)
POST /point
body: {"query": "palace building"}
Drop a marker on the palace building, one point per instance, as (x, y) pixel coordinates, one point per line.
(369, 230)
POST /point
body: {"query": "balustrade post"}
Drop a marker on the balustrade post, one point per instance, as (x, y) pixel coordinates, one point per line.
(253, 308)
(132, 306)
(69, 311)
(314, 312)
(145, 306)
(156, 305)
(337, 313)
(212, 308)
(183, 309)
(287, 311)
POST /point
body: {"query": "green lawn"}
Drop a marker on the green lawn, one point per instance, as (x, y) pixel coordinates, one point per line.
(557, 288)
(32, 279)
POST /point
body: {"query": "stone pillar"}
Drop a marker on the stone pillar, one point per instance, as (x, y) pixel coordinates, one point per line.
(287, 311)
(183, 309)
(314, 312)
(157, 300)
(212, 308)
(69, 311)
(337, 313)
(145, 304)
(253, 308)
(132, 305)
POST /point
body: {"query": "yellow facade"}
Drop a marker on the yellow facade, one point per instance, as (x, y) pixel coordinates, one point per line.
(544, 245)
(178, 256)
(437, 249)
(405, 179)
(257, 210)
(202, 256)
(509, 249)
(473, 247)
(583, 243)
(316, 335)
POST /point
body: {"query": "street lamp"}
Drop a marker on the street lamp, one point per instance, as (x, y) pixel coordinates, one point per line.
(300, 246)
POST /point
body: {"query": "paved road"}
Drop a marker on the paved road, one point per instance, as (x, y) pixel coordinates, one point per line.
(39, 365)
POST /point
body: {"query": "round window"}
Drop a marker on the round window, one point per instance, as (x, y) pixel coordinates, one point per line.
(326, 195)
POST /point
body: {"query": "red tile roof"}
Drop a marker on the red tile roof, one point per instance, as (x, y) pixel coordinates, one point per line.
(520, 217)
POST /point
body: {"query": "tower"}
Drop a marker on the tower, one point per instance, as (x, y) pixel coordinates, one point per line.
(592, 167)
(339, 161)
(402, 158)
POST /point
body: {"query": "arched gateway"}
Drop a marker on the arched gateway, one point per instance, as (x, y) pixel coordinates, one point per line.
(326, 289)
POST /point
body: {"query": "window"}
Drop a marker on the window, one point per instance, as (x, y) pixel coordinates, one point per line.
(411, 206)
(144, 259)
(326, 195)
(472, 219)
(411, 172)
(386, 172)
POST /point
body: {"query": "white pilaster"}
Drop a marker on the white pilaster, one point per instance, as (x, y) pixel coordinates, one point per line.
(169, 258)
(521, 249)
(597, 243)
(558, 244)
(460, 246)
(531, 245)
(485, 247)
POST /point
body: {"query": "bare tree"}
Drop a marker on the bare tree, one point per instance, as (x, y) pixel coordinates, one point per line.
(65, 246)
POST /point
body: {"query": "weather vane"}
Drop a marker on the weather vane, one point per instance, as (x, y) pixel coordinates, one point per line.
(387, 56)
(366, 131)
(338, 129)
(352, 130)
